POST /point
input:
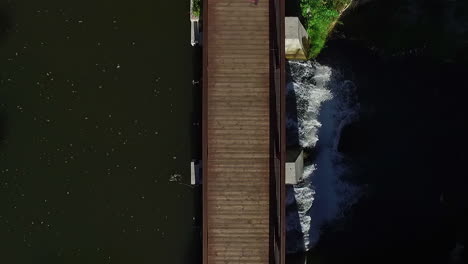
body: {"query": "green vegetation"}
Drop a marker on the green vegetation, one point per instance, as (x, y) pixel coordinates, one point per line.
(320, 16)
(196, 10)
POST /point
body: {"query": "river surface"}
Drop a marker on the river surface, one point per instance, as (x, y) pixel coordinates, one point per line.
(95, 125)
(406, 151)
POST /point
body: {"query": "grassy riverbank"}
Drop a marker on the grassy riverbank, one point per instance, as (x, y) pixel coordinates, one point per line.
(319, 17)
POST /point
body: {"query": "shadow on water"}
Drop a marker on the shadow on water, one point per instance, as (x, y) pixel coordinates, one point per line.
(5, 22)
(197, 90)
(5, 28)
(294, 236)
(292, 8)
(3, 128)
(292, 132)
(194, 254)
(299, 258)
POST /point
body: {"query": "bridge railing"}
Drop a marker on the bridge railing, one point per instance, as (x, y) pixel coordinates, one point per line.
(277, 135)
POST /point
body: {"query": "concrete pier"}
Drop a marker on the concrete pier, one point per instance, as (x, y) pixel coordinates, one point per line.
(297, 39)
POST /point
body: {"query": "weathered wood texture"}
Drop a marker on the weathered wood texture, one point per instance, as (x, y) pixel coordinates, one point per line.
(237, 143)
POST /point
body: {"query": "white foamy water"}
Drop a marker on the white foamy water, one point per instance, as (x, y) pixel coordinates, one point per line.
(325, 104)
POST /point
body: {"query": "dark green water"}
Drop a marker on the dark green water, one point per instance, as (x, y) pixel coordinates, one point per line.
(95, 116)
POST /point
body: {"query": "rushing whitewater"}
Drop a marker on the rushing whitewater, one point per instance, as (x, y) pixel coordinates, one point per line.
(325, 103)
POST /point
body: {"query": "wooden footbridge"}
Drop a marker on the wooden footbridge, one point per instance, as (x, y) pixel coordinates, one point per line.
(243, 131)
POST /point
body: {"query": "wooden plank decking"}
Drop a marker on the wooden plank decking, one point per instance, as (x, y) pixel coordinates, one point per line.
(237, 132)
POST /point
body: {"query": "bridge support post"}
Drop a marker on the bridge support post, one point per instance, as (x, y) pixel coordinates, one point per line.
(297, 39)
(195, 172)
(294, 166)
